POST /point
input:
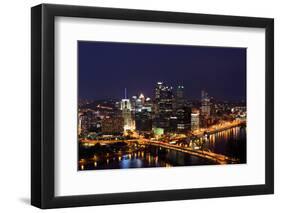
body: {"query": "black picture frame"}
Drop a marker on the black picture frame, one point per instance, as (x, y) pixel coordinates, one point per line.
(43, 111)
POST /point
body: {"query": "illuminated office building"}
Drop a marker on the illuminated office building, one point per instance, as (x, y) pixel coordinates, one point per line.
(180, 96)
(126, 113)
(112, 125)
(86, 122)
(163, 109)
(183, 119)
(142, 99)
(195, 120)
(143, 119)
(205, 104)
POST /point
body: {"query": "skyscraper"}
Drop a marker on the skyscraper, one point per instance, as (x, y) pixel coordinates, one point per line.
(142, 98)
(139, 104)
(143, 119)
(163, 108)
(158, 88)
(195, 119)
(126, 113)
(205, 104)
(183, 118)
(180, 96)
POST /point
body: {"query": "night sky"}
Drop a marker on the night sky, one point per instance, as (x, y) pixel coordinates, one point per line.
(106, 68)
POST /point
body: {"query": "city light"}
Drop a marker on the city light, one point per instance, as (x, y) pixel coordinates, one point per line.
(168, 121)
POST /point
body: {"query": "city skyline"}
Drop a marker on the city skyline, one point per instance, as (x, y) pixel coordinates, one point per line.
(198, 98)
(215, 69)
(148, 105)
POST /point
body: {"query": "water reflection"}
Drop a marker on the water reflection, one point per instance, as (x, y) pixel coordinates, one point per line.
(230, 142)
(150, 156)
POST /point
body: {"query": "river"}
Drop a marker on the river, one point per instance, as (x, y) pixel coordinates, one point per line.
(231, 142)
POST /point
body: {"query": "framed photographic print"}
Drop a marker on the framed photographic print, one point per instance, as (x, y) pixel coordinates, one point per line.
(140, 106)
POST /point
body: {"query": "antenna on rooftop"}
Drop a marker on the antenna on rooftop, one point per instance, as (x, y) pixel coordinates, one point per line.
(125, 93)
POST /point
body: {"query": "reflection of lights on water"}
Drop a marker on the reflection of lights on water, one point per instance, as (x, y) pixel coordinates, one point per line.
(212, 138)
(139, 163)
(228, 135)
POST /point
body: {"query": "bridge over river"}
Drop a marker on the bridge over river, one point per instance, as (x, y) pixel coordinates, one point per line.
(218, 158)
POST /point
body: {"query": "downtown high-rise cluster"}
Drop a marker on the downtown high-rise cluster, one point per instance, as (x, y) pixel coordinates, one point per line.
(168, 111)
